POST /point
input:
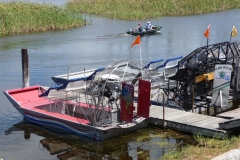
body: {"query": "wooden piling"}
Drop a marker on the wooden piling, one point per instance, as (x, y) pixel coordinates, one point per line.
(25, 70)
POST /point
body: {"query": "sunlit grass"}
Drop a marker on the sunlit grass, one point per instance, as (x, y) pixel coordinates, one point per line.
(144, 9)
(21, 17)
(206, 149)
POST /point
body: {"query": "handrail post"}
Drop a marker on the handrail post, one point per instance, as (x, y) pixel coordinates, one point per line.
(163, 112)
(193, 98)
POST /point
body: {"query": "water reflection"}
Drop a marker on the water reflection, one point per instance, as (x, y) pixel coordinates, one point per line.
(148, 143)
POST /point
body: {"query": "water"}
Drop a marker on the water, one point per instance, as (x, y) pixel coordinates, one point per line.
(149, 142)
(98, 45)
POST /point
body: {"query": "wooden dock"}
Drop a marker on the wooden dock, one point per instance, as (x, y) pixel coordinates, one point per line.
(233, 121)
(187, 121)
(233, 114)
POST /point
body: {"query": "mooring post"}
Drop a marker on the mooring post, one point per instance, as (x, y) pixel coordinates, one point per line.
(25, 71)
(208, 106)
(168, 89)
(193, 98)
(215, 110)
(163, 112)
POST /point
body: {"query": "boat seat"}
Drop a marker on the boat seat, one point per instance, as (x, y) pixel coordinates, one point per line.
(168, 89)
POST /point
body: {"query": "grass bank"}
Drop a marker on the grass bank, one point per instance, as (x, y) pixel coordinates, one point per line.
(206, 149)
(144, 9)
(21, 17)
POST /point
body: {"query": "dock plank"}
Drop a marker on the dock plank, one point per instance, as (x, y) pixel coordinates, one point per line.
(187, 121)
(231, 114)
(233, 119)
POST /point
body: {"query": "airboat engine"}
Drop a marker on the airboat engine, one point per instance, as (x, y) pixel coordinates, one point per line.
(207, 76)
(109, 90)
(109, 81)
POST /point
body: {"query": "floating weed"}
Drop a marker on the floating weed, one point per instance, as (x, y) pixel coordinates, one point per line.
(162, 144)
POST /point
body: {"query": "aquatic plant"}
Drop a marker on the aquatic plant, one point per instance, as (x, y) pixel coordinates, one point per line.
(21, 17)
(144, 9)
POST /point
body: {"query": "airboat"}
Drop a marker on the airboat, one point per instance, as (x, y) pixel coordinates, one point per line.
(98, 103)
(103, 103)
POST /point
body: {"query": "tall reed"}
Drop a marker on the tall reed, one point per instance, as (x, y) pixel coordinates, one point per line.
(20, 17)
(143, 9)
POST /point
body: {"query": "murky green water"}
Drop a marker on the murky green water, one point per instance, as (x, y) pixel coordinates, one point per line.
(148, 143)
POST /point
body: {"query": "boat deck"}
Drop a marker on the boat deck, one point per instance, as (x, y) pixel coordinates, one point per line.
(29, 100)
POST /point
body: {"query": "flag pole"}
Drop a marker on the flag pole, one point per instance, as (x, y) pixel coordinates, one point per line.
(207, 33)
(138, 41)
(233, 32)
(140, 55)
(231, 35)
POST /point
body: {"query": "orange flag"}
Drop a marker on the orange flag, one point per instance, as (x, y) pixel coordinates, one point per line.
(137, 41)
(234, 31)
(207, 32)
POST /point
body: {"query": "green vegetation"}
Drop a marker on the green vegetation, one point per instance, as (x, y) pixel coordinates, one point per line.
(206, 149)
(20, 17)
(144, 9)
